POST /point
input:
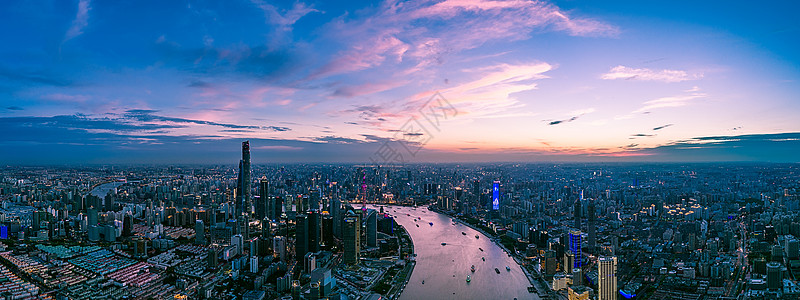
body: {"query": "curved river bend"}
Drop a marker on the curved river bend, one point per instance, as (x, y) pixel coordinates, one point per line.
(445, 268)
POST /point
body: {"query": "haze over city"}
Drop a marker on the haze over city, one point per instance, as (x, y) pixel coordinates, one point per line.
(186, 81)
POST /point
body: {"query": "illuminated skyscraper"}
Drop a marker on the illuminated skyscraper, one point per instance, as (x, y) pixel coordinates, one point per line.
(575, 246)
(496, 195)
(607, 278)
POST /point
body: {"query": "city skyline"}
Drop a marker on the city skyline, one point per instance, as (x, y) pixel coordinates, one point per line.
(86, 82)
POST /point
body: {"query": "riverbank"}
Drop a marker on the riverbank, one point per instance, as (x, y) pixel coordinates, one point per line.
(405, 274)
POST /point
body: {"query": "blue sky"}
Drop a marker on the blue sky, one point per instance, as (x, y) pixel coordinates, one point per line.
(139, 82)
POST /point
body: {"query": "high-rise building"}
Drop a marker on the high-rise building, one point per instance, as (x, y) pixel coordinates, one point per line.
(313, 233)
(263, 204)
(577, 277)
(245, 182)
(213, 258)
(277, 208)
(793, 249)
(352, 243)
(774, 276)
(238, 242)
(254, 264)
(592, 238)
(372, 229)
(496, 195)
(336, 214)
(301, 238)
(310, 262)
(279, 247)
(199, 232)
(127, 225)
(577, 213)
(575, 246)
(607, 278)
(92, 212)
(569, 261)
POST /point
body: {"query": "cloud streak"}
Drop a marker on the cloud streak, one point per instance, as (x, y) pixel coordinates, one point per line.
(644, 74)
(80, 22)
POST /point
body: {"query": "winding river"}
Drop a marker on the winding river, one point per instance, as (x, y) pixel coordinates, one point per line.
(445, 268)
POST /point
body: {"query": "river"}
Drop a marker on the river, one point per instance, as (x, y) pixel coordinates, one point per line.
(445, 268)
(102, 190)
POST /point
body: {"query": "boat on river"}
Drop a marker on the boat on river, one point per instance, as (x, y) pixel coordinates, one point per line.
(497, 270)
(472, 269)
(468, 279)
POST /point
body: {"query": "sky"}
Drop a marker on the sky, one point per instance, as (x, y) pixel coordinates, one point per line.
(96, 82)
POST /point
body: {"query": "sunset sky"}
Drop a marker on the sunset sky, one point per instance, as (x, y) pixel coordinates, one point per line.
(187, 81)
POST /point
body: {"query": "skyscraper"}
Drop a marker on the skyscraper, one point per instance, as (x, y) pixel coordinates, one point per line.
(352, 243)
(496, 195)
(372, 229)
(301, 238)
(264, 204)
(575, 246)
(313, 233)
(245, 184)
(577, 213)
(199, 232)
(279, 247)
(592, 238)
(607, 278)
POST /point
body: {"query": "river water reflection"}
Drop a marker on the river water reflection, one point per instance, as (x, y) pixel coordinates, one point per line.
(445, 268)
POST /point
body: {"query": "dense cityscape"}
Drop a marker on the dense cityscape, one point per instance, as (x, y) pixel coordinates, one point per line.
(338, 231)
(399, 150)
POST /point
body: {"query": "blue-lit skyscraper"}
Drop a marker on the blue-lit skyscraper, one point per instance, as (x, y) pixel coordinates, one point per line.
(496, 195)
(575, 246)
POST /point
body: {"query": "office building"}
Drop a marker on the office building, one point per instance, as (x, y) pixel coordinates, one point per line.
(372, 229)
(254, 264)
(592, 238)
(279, 247)
(577, 213)
(774, 276)
(238, 242)
(607, 278)
(575, 246)
(199, 232)
(310, 263)
(352, 243)
(314, 228)
(263, 205)
(301, 238)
